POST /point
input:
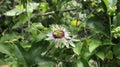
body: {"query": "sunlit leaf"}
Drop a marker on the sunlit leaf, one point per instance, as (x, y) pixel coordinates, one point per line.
(20, 9)
(110, 3)
(100, 55)
(77, 48)
(93, 44)
(111, 6)
(14, 12)
(31, 7)
(44, 6)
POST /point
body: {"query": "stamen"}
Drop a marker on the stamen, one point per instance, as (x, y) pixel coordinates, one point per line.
(58, 34)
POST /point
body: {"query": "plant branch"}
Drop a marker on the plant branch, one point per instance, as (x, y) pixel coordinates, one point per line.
(53, 12)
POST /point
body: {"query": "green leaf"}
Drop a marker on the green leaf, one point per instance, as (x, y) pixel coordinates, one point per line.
(23, 18)
(110, 3)
(77, 48)
(82, 63)
(9, 37)
(100, 55)
(109, 55)
(13, 50)
(41, 36)
(31, 6)
(106, 3)
(14, 12)
(44, 6)
(116, 51)
(93, 44)
(95, 24)
(92, 63)
(20, 9)
(107, 42)
(46, 64)
(85, 53)
(99, 26)
(111, 6)
(7, 46)
(116, 20)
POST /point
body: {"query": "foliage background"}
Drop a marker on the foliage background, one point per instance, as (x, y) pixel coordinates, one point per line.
(25, 23)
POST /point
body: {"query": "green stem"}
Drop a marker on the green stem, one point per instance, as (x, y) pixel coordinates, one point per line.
(110, 27)
(28, 14)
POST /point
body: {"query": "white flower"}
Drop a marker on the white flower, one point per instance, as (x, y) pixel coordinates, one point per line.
(60, 37)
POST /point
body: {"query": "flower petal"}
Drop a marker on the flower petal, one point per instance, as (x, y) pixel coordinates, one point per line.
(72, 44)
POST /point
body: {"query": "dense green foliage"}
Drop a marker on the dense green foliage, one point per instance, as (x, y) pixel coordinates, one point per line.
(95, 24)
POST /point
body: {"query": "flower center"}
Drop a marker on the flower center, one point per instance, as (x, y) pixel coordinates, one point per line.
(58, 34)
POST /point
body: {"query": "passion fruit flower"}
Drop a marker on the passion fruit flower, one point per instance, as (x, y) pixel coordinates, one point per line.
(60, 37)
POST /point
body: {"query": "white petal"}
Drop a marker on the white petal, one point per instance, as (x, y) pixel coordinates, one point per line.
(56, 45)
(72, 44)
(66, 43)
